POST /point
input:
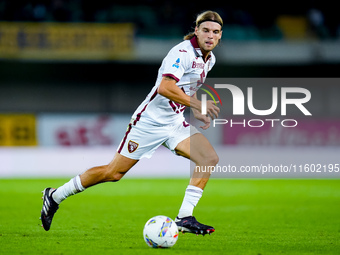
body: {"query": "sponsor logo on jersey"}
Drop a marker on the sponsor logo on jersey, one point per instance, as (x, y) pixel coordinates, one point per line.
(197, 65)
(182, 51)
(177, 63)
(132, 146)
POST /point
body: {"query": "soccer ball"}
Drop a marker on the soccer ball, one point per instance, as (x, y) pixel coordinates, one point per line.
(160, 232)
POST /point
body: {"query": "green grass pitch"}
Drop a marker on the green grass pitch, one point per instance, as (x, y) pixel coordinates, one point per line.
(251, 216)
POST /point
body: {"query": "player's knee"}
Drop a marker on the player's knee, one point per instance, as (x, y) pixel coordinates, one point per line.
(115, 177)
(210, 159)
(111, 175)
(215, 159)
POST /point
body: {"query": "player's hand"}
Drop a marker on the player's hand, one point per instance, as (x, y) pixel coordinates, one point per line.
(204, 118)
(206, 121)
(212, 109)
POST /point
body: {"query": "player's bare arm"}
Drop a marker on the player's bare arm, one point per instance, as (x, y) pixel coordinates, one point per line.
(170, 90)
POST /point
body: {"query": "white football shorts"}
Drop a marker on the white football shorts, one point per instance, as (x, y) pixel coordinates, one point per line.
(142, 140)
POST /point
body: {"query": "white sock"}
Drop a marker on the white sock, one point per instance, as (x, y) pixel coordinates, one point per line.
(68, 189)
(191, 198)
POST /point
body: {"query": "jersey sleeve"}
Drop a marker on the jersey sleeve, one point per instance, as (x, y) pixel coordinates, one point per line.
(176, 63)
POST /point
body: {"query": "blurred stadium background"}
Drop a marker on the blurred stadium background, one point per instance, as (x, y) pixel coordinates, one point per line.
(73, 71)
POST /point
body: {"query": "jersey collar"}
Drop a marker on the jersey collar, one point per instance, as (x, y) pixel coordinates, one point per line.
(197, 48)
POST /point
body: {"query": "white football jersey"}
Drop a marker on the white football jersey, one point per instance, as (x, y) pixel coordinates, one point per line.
(186, 65)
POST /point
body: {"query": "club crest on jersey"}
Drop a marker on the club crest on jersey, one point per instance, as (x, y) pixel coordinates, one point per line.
(132, 146)
(177, 63)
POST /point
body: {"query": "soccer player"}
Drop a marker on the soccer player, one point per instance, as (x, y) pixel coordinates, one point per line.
(159, 121)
